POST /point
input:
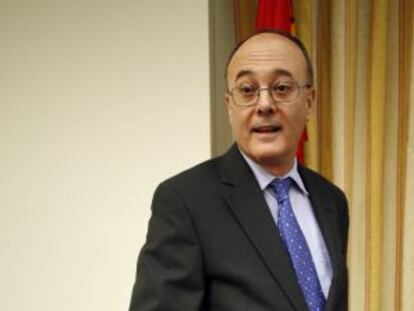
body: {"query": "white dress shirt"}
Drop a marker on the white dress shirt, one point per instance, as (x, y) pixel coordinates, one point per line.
(302, 208)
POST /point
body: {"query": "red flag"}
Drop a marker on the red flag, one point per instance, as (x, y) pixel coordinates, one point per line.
(279, 14)
(274, 14)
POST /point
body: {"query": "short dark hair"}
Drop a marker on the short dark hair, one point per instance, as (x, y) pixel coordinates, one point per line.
(282, 33)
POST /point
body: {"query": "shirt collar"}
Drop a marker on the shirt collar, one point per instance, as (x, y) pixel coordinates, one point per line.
(264, 178)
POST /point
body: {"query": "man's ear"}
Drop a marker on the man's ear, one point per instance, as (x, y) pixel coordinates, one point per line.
(227, 100)
(310, 103)
(228, 104)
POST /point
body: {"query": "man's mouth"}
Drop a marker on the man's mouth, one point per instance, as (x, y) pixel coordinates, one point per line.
(267, 129)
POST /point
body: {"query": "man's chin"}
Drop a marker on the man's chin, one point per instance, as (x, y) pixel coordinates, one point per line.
(272, 157)
(269, 156)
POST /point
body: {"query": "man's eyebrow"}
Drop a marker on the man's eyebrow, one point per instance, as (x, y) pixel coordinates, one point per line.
(276, 72)
(243, 73)
(282, 72)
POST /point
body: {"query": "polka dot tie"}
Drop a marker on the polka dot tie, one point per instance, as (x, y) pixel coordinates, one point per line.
(297, 247)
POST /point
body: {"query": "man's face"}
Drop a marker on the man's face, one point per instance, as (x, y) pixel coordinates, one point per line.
(269, 132)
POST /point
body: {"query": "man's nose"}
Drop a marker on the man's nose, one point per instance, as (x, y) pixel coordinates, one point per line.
(265, 103)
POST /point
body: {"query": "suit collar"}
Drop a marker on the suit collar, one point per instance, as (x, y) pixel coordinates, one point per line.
(233, 166)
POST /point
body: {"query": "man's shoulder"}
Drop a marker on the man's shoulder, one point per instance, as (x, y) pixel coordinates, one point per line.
(211, 172)
(197, 175)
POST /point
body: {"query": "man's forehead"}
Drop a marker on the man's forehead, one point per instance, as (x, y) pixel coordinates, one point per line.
(264, 39)
(264, 48)
(268, 45)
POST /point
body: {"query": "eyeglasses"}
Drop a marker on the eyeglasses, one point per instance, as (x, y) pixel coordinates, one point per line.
(285, 92)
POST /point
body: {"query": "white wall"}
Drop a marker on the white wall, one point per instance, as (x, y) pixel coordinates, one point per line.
(100, 100)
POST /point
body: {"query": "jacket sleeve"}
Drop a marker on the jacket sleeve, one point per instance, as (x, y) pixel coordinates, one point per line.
(169, 270)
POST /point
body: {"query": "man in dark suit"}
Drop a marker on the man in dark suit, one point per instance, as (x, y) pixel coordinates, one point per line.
(251, 230)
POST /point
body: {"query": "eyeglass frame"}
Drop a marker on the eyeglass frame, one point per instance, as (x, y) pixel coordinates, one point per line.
(259, 90)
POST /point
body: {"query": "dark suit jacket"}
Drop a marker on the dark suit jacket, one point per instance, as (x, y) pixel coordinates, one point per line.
(213, 245)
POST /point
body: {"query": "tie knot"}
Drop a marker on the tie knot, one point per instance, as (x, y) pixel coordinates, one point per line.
(281, 188)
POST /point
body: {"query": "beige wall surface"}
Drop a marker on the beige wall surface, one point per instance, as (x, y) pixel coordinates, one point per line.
(100, 100)
(222, 41)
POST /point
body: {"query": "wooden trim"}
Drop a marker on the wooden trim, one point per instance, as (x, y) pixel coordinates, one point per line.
(324, 62)
(244, 18)
(368, 235)
(377, 86)
(405, 63)
(303, 11)
(351, 25)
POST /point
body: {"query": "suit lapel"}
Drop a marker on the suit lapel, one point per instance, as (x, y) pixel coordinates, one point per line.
(249, 207)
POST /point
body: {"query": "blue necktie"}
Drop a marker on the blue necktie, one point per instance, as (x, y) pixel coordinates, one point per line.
(297, 247)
